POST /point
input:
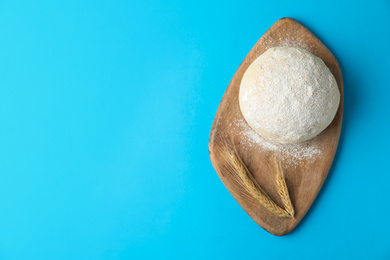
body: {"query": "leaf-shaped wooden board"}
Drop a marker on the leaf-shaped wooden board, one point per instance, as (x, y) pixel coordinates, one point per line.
(304, 175)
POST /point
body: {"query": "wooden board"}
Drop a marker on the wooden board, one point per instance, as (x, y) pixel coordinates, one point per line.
(305, 179)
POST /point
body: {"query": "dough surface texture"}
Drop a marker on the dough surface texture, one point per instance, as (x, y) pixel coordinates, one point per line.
(288, 95)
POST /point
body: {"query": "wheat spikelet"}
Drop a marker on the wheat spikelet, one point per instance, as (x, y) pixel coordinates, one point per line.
(239, 173)
(281, 186)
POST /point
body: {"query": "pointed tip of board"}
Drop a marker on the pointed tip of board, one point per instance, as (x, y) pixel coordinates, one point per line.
(287, 20)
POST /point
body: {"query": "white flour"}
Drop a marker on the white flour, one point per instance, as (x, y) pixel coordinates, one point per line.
(291, 154)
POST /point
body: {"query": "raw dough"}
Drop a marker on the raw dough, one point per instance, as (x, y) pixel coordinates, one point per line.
(288, 95)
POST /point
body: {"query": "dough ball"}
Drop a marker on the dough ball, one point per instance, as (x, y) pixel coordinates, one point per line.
(288, 95)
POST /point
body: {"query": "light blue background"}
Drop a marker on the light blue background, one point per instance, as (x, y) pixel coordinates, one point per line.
(105, 113)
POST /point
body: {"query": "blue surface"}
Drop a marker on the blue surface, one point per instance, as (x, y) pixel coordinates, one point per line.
(105, 113)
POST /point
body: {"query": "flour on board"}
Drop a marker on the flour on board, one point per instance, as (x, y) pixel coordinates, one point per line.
(291, 154)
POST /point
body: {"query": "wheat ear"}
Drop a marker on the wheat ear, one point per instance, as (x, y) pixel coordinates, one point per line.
(281, 185)
(238, 172)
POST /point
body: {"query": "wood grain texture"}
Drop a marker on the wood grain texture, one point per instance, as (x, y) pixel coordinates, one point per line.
(304, 180)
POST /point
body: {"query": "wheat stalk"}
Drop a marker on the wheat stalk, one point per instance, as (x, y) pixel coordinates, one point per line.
(238, 172)
(281, 186)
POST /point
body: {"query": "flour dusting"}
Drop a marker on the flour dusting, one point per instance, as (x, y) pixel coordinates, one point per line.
(291, 154)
